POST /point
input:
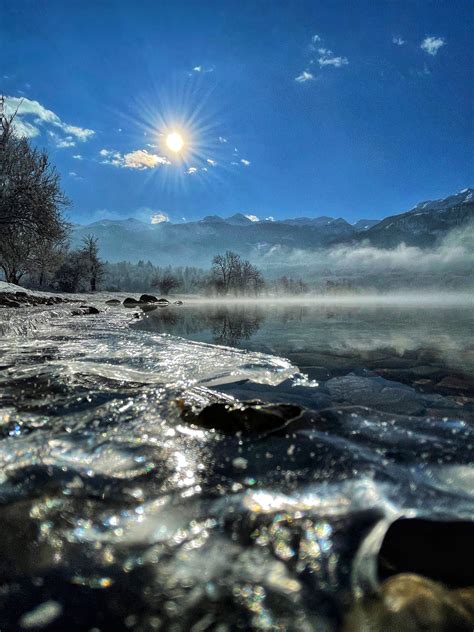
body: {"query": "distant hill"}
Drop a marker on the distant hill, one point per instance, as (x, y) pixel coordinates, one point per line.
(195, 243)
(423, 225)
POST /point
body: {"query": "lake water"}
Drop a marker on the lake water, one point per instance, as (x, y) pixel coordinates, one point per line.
(134, 497)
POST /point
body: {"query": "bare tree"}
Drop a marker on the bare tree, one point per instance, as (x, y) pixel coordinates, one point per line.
(94, 265)
(231, 273)
(31, 202)
(226, 269)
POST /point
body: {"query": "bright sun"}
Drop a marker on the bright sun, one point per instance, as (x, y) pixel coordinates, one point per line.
(175, 142)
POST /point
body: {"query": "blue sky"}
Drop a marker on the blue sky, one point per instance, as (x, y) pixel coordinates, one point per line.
(342, 108)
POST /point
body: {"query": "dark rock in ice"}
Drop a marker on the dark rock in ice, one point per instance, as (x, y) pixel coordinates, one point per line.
(22, 297)
(8, 302)
(148, 298)
(178, 302)
(83, 310)
(244, 418)
(376, 392)
(113, 301)
(163, 301)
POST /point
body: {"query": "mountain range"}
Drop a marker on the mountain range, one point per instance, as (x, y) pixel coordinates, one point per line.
(195, 243)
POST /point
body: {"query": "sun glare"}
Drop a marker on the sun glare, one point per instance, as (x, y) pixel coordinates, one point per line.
(175, 142)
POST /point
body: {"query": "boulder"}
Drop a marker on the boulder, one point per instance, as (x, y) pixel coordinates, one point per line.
(131, 302)
(148, 298)
(163, 301)
(113, 301)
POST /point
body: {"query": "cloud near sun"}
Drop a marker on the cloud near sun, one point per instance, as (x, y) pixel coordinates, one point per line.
(138, 159)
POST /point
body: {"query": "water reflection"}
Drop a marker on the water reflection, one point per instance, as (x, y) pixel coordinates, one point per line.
(336, 338)
(225, 326)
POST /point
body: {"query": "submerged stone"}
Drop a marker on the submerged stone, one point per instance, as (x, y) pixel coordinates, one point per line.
(244, 418)
(413, 603)
(376, 392)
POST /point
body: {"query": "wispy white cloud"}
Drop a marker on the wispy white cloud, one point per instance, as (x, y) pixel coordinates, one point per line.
(159, 217)
(213, 163)
(246, 163)
(253, 218)
(139, 159)
(304, 76)
(329, 59)
(398, 41)
(191, 170)
(73, 174)
(431, 45)
(222, 139)
(32, 118)
(203, 69)
(78, 157)
(326, 57)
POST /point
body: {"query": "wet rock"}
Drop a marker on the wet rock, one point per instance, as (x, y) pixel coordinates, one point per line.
(113, 301)
(163, 301)
(244, 418)
(413, 603)
(148, 298)
(178, 302)
(376, 392)
(83, 310)
(8, 302)
(23, 299)
(130, 302)
(456, 383)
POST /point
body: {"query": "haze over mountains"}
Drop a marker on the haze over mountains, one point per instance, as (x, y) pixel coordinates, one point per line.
(195, 243)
